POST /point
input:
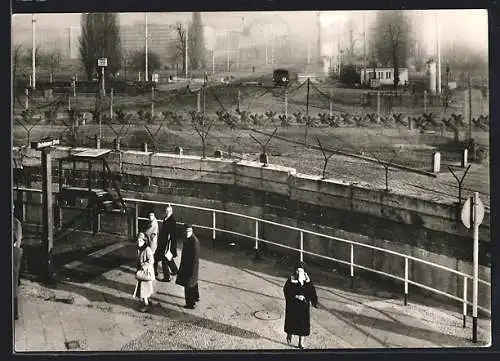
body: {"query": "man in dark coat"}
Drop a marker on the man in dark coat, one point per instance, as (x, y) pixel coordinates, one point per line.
(17, 253)
(299, 293)
(189, 268)
(167, 242)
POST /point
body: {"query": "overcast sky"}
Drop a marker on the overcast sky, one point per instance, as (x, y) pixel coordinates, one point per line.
(467, 26)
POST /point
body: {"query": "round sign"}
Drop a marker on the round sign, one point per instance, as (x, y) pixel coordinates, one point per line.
(467, 209)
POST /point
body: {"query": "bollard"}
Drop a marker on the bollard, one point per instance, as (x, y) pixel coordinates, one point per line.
(97, 142)
(145, 147)
(436, 162)
(117, 143)
(465, 158)
(179, 150)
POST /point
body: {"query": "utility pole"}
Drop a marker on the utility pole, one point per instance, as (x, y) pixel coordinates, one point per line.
(272, 44)
(364, 48)
(470, 109)
(146, 46)
(33, 51)
(213, 61)
(186, 55)
(228, 50)
(307, 111)
(438, 55)
(318, 15)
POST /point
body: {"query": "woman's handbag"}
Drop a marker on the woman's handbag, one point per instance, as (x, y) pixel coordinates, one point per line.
(143, 275)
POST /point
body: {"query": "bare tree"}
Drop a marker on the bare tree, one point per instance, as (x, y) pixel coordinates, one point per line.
(392, 39)
(180, 51)
(202, 125)
(351, 28)
(53, 60)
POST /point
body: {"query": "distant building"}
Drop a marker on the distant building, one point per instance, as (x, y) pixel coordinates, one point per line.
(385, 75)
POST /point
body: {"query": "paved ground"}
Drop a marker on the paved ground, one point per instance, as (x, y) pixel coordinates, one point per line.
(241, 308)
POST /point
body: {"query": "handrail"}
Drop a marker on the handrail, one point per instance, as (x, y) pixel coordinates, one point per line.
(350, 263)
(310, 232)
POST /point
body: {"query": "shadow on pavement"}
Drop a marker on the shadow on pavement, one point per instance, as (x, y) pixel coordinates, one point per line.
(157, 310)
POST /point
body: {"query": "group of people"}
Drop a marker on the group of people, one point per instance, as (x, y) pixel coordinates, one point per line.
(155, 246)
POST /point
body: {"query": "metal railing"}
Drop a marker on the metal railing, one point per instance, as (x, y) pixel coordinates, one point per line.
(350, 263)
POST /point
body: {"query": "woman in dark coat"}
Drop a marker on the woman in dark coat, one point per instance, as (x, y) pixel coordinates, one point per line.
(299, 292)
(167, 241)
(187, 276)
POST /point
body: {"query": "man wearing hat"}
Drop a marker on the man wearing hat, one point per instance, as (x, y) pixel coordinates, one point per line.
(167, 246)
(187, 276)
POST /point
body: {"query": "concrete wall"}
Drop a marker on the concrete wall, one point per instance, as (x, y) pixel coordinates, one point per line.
(370, 216)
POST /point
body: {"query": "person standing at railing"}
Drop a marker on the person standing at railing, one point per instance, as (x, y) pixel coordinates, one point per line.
(189, 268)
(17, 253)
(299, 292)
(152, 232)
(167, 246)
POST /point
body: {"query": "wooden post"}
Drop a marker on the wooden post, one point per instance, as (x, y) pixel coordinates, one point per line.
(111, 104)
(48, 218)
(152, 102)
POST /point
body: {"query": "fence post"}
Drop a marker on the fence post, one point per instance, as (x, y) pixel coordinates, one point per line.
(406, 281)
(425, 101)
(26, 103)
(465, 303)
(286, 103)
(301, 246)
(378, 105)
(352, 265)
(256, 247)
(136, 218)
(213, 229)
(111, 104)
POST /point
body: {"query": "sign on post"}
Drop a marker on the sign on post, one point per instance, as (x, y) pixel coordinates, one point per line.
(468, 212)
(44, 143)
(472, 215)
(102, 62)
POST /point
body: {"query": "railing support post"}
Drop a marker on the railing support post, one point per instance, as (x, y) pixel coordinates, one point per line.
(464, 316)
(213, 228)
(406, 281)
(301, 246)
(136, 218)
(352, 265)
(256, 247)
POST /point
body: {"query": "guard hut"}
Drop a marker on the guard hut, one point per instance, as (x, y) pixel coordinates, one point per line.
(89, 193)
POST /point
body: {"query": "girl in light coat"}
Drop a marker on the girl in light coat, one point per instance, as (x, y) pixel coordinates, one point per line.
(145, 261)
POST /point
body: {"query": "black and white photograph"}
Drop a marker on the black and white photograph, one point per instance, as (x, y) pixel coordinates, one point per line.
(251, 181)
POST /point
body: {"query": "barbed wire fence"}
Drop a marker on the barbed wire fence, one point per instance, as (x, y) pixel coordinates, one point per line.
(158, 118)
